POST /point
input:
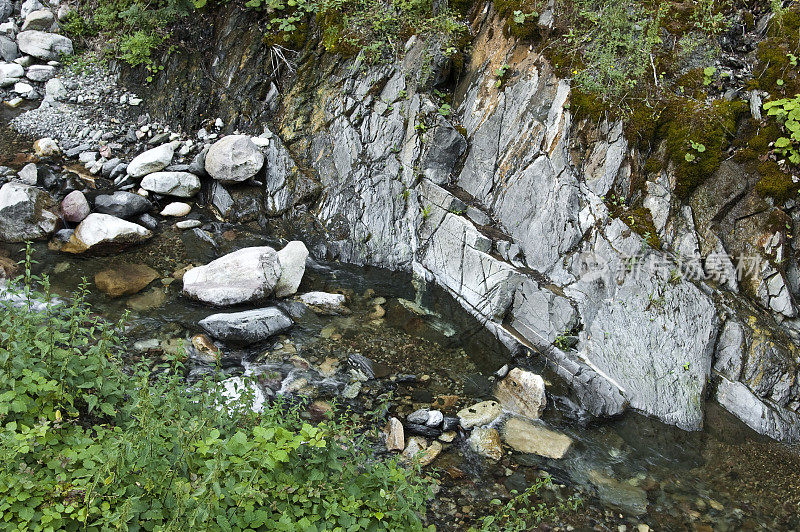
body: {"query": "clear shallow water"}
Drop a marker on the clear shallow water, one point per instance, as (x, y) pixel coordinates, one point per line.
(630, 471)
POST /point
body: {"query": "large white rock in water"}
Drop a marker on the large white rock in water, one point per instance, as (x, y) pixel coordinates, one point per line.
(233, 159)
(522, 392)
(25, 213)
(325, 303)
(526, 437)
(249, 274)
(45, 46)
(180, 184)
(152, 160)
(292, 259)
(98, 231)
(246, 327)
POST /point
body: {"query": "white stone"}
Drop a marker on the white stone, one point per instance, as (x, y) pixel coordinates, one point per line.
(325, 303)
(479, 414)
(46, 46)
(292, 259)
(103, 230)
(151, 161)
(233, 158)
(522, 392)
(179, 184)
(176, 208)
(246, 275)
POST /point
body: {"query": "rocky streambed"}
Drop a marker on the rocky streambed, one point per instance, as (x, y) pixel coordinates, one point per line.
(165, 226)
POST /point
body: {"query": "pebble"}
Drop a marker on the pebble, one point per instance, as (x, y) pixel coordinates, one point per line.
(176, 208)
(188, 224)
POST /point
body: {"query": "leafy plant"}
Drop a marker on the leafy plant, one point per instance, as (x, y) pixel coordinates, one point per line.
(787, 112)
(519, 513)
(698, 148)
(708, 75)
(445, 110)
(86, 444)
(500, 74)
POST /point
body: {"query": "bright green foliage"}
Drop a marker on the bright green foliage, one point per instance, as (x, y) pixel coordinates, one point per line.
(85, 445)
(521, 513)
(787, 112)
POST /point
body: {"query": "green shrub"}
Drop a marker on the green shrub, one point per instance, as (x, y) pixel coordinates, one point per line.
(85, 444)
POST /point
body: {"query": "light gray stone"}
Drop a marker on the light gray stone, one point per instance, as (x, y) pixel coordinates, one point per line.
(292, 260)
(152, 160)
(244, 276)
(40, 72)
(479, 414)
(8, 48)
(45, 46)
(522, 392)
(246, 327)
(179, 184)
(325, 303)
(233, 159)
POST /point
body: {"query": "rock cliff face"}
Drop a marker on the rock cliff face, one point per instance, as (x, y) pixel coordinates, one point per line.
(504, 202)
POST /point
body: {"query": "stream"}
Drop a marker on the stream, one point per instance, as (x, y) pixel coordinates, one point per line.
(632, 472)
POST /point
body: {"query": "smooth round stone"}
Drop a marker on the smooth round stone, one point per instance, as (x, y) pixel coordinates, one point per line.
(188, 224)
(176, 208)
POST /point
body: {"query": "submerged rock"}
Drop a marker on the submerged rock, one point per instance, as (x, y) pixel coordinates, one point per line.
(246, 327)
(522, 392)
(527, 437)
(325, 303)
(25, 213)
(125, 279)
(233, 159)
(99, 231)
(621, 495)
(246, 275)
(486, 442)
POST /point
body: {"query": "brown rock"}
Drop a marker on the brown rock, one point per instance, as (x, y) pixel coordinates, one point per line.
(205, 346)
(526, 437)
(486, 442)
(125, 279)
(395, 435)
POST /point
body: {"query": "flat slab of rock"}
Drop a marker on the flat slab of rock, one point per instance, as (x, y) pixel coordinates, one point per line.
(125, 279)
(292, 259)
(151, 161)
(246, 327)
(526, 437)
(233, 159)
(325, 303)
(99, 231)
(522, 392)
(45, 46)
(25, 213)
(179, 184)
(479, 414)
(246, 275)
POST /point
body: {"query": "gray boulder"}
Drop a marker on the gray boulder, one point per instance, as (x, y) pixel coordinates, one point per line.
(246, 327)
(246, 275)
(180, 184)
(45, 46)
(152, 160)
(55, 89)
(25, 213)
(40, 72)
(102, 231)
(29, 6)
(122, 204)
(444, 146)
(233, 159)
(6, 9)
(8, 49)
(29, 174)
(40, 20)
